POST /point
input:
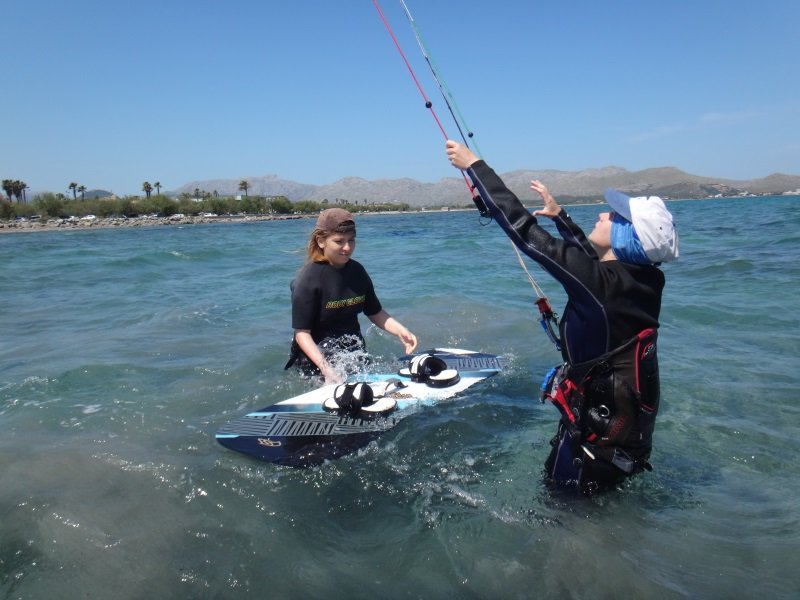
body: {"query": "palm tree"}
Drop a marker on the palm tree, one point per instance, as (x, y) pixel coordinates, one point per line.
(73, 186)
(244, 186)
(147, 188)
(8, 187)
(82, 190)
(15, 187)
(21, 186)
(157, 185)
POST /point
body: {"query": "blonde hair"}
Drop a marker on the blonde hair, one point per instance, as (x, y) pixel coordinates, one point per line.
(313, 252)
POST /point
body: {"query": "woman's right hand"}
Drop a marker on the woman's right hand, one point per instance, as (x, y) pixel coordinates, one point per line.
(312, 351)
(459, 155)
(331, 375)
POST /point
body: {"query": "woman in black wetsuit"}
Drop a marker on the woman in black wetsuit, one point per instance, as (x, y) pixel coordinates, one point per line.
(328, 294)
(607, 389)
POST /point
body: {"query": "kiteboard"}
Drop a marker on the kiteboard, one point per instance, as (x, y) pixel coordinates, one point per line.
(335, 420)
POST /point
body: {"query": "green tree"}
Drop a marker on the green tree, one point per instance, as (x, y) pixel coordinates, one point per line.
(282, 205)
(8, 187)
(15, 187)
(306, 206)
(147, 188)
(157, 185)
(244, 186)
(50, 205)
(19, 189)
(73, 186)
(82, 190)
(219, 206)
(6, 209)
(127, 207)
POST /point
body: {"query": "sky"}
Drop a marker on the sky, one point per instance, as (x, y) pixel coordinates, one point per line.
(112, 93)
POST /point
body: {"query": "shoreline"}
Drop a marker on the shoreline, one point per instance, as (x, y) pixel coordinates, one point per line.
(75, 224)
(84, 223)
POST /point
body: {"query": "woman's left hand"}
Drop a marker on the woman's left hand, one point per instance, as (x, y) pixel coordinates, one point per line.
(551, 207)
(409, 340)
(388, 323)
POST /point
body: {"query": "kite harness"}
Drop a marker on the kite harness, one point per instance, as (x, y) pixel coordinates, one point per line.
(608, 408)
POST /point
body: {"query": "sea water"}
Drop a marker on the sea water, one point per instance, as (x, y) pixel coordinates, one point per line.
(123, 350)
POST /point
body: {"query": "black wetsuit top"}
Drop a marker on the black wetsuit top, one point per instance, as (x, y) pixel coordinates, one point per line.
(327, 301)
(609, 301)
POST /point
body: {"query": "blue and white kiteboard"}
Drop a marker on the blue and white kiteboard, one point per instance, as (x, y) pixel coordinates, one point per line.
(310, 428)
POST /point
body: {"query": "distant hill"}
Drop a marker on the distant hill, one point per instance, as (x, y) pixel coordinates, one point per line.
(92, 194)
(585, 185)
(268, 185)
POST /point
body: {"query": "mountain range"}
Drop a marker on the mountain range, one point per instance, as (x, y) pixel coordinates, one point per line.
(586, 185)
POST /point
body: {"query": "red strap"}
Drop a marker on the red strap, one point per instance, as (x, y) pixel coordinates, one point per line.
(560, 399)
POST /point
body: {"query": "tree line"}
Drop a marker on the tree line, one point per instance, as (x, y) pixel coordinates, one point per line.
(16, 189)
(58, 205)
(54, 206)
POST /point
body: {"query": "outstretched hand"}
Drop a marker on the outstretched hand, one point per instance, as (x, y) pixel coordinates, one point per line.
(551, 207)
(459, 155)
(409, 341)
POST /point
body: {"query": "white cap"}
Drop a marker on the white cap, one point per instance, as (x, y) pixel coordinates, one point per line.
(652, 222)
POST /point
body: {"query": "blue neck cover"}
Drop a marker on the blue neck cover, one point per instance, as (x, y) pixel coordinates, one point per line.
(625, 243)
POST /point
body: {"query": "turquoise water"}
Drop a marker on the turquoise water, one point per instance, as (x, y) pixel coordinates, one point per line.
(122, 351)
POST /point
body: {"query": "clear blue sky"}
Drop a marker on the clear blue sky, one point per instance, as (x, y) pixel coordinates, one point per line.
(112, 93)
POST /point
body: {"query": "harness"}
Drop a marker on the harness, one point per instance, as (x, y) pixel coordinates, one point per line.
(608, 405)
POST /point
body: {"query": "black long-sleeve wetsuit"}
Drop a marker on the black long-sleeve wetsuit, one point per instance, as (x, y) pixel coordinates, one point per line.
(609, 303)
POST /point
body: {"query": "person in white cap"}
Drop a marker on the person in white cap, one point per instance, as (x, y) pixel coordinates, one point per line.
(328, 294)
(607, 389)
